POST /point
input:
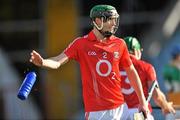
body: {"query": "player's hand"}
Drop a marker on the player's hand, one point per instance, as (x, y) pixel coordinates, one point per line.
(144, 109)
(168, 108)
(36, 58)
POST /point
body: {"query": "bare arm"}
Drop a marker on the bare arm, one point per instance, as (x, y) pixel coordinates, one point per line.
(53, 62)
(136, 83)
(160, 100)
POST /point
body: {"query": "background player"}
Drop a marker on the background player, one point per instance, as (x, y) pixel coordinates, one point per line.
(99, 54)
(172, 71)
(147, 75)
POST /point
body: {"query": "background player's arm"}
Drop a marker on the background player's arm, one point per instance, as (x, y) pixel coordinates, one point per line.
(160, 100)
(136, 83)
(53, 62)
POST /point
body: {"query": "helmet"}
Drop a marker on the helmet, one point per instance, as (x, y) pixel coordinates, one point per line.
(132, 44)
(175, 51)
(104, 12)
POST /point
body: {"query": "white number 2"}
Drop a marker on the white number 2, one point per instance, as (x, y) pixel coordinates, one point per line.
(104, 55)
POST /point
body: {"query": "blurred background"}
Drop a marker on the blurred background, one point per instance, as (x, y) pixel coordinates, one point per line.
(48, 26)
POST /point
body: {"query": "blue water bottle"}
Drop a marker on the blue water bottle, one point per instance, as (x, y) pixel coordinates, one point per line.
(27, 85)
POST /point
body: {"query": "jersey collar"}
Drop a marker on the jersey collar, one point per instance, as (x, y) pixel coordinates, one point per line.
(132, 56)
(92, 37)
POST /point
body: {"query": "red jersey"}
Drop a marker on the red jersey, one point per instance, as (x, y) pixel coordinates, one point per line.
(146, 73)
(99, 65)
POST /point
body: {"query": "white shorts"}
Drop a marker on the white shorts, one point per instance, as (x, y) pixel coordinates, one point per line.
(129, 114)
(113, 114)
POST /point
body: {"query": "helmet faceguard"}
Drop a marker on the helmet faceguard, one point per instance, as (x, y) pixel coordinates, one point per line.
(105, 13)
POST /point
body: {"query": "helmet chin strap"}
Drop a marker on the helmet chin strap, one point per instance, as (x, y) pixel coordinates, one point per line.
(101, 27)
(105, 33)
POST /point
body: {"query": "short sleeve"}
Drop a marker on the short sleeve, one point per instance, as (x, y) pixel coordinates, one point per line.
(151, 73)
(125, 60)
(72, 50)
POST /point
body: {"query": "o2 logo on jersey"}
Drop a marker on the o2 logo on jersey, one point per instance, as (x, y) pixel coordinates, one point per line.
(108, 65)
(104, 62)
(126, 83)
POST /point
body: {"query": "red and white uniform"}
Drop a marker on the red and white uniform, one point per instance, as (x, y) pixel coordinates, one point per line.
(99, 64)
(146, 73)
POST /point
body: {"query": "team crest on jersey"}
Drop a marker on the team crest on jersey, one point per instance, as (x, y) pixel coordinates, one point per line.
(116, 54)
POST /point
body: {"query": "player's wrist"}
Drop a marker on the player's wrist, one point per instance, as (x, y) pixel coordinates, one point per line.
(143, 102)
(42, 63)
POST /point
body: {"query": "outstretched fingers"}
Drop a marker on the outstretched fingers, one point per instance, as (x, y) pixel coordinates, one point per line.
(36, 58)
(169, 108)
